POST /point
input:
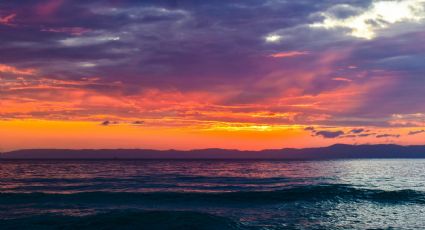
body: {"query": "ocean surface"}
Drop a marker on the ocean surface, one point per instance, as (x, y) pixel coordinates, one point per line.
(212, 194)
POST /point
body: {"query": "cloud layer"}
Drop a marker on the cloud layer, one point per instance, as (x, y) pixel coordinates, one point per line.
(352, 63)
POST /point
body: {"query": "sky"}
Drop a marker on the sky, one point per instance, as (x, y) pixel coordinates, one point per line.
(211, 74)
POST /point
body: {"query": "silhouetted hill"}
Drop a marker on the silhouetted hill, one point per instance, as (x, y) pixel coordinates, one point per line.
(338, 151)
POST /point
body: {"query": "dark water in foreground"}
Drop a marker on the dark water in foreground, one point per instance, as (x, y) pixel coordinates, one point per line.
(166, 194)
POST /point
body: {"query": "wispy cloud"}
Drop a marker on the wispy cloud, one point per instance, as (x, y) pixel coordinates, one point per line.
(416, 132)
(342, 79)
(13, 70)
(289, 54)
(388, 135)
(359, 130)
(7, 20)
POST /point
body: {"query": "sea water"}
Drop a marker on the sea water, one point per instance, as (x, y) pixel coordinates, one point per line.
(212, 194)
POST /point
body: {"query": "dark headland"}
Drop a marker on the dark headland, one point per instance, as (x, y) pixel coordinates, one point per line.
(337, 151)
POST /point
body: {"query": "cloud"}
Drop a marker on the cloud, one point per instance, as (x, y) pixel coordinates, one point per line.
(388, 136)
(365, 134)
(205, 63)
(138, 122)
(107, 123)
(329, 134)
(309, 128)
(360, 130)
(14, 70)
(289, 54)
(87, 41)
(272, 38)
(342, 79)
(6, 20)
(49, 7)
(325, 133)
(380, 15)
(416, 132)
(77, 31)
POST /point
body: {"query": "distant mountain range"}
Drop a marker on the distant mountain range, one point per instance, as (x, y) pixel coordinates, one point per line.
(337, 151)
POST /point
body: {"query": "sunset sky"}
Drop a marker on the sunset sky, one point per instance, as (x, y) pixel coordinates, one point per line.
(200, 74)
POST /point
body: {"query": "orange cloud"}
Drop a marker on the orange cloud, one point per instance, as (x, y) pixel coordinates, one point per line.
(14, 70)
(288, 54)
(342, 79)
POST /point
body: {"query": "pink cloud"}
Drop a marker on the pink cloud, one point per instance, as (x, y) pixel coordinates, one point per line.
(342, 79)
(49, 7)
(69, 30)
(14, 70)
(7, 19)
(288, 54)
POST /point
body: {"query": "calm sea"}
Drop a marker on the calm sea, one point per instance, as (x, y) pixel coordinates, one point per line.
(201, 194)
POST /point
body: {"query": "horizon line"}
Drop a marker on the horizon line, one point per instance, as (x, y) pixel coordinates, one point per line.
(212, 148)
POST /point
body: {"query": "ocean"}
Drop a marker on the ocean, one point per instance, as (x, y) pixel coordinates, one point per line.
(212, 194)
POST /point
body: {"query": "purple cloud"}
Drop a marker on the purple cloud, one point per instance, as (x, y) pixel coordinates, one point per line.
(220, 50)
(357, 130)
(416, 132)
(329, 134)
(388, 135)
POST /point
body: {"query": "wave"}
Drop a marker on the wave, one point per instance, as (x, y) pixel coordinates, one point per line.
(320, 192)
(128, 219)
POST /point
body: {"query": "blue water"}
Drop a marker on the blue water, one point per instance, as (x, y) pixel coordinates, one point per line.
(171, 194)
